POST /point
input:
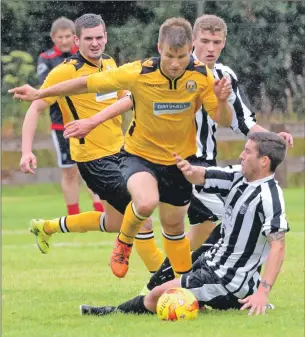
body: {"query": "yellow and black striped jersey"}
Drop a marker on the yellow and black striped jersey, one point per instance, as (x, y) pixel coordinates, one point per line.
(107, 138)
(164, 108)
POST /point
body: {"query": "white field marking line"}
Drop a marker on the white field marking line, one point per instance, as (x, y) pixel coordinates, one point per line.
(26, 232)
(15, 232)
(63, 245)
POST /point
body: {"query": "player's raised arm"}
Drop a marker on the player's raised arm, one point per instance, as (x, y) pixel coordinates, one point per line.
(223, 89)
(215, 99)
(66, 88)
(80, 128)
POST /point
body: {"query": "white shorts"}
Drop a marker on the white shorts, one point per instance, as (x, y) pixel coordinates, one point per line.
(62, 149)
(204, 206)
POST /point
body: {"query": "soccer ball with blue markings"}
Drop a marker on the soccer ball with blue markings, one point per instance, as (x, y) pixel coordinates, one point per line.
(177, 304)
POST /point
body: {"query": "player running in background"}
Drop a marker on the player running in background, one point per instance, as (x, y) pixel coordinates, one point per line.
(62, 35)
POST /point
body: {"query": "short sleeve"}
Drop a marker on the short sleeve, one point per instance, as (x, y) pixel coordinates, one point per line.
(62, 72)
(121, 78)
(274, 210)
(207, 97)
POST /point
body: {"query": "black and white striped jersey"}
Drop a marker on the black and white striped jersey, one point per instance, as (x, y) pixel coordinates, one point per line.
(252, 211)
(243, 118)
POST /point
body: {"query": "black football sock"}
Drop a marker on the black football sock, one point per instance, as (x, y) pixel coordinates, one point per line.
(164, 274)
(134, 306)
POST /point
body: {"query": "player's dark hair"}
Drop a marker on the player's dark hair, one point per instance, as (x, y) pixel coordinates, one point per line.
(271, 145)
(88, 21)
(177, 32)
(62, 23)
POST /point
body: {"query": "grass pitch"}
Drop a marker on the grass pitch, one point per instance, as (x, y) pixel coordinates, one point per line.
(41, 294)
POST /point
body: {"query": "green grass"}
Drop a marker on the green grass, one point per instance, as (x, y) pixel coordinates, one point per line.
(41, 293)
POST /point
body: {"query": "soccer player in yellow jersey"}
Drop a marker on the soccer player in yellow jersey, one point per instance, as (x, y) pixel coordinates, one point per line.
(97, 154)
(166, 92)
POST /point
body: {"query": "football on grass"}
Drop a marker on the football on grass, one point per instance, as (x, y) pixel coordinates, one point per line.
(177, 304)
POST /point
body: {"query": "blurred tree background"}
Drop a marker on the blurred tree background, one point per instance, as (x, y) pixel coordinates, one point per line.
(265, 44)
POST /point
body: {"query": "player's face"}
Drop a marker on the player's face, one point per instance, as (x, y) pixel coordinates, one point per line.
(174, 61)
(208, 46)
(92, 42)
(251, 163)
(63, 40)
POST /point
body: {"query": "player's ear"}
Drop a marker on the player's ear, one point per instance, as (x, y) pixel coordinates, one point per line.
(76, 41)
(224, 42)
(191, 48)
(159, 48)
(265, 161)
(52, 38)
(106, 38)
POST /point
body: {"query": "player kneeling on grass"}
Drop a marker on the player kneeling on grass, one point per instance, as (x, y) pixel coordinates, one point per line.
(252, 233)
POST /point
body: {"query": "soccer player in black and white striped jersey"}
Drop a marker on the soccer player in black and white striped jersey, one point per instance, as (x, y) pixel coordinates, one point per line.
(252, 234)
(209, 39)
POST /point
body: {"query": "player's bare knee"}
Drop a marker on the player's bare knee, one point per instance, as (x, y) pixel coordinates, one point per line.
(112, 221)
(173, 228)
(112, 227)
(70, 174)
(146, 207)
(156, 292)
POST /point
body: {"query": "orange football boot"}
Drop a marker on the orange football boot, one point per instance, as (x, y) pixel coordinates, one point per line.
(119, 258)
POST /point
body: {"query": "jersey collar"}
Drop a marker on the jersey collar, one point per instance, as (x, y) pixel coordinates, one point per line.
(83, 58)
(259, 181)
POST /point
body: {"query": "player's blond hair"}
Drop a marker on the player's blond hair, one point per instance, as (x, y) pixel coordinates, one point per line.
(62, 23)
(177, 32)
(212, 23)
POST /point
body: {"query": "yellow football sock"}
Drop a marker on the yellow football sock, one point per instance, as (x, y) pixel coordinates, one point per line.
(148, 250)
(132, 222)
(80, 223)
(177, 249)
(51, 226)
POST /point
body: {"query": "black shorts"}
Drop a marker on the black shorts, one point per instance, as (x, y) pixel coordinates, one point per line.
(174, 189)
(203, 206)
(62, 149)
(104, 178)
(207, 288)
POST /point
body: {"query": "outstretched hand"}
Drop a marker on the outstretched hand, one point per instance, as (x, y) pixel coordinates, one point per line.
(24, 93)
(184, 166)
(256, 302)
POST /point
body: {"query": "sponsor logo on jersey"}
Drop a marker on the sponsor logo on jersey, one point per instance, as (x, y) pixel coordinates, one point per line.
(161, 108)
(153, 85)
